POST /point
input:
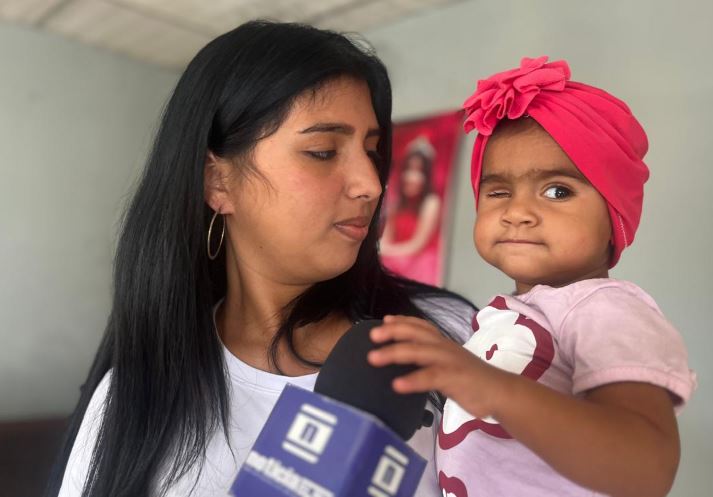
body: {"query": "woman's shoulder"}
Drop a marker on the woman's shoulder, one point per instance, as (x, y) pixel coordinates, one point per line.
(431, 203)
(95, 408)
(432, 198)
(75, 473)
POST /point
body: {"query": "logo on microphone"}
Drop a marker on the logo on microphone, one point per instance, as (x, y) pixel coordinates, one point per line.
(309, 433)
(388, 474)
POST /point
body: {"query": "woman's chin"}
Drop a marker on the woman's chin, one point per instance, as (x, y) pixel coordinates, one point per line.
(327, 270)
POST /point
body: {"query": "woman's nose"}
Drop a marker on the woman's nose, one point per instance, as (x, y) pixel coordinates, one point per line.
(363, 178)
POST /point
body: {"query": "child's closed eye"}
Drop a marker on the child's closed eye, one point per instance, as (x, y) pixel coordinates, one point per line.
(499, 193)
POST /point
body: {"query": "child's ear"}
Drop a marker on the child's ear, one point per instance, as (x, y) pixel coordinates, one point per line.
(216, 186)
(611, 248)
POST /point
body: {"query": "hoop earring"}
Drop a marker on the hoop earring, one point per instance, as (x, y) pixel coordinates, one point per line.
(210, 232)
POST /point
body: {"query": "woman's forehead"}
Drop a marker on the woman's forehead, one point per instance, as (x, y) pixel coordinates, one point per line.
(343, 100)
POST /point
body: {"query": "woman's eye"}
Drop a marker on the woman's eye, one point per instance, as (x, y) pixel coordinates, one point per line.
(558, 192)
(375, 157)
(498, 194)
(322, 154)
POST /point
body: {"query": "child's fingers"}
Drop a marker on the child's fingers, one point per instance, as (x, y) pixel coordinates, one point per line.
(389, 319)
(407, 353)
(405, 330)
(421, 380)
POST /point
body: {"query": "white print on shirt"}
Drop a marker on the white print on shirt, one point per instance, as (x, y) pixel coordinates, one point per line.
(509, 341)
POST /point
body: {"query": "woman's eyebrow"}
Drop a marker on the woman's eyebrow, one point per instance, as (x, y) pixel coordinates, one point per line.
(340, 128)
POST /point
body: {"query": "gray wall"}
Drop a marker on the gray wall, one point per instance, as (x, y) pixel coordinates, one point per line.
(653, 54)
(74, 127)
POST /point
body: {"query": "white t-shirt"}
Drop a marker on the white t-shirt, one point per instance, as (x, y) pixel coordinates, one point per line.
(253, 394)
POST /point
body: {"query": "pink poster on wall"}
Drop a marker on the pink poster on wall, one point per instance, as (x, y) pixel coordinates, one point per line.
(412, 244)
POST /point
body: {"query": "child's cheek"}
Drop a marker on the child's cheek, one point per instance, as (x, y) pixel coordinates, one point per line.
(480, 235)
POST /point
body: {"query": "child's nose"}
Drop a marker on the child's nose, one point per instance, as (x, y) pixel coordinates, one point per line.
(519, 211)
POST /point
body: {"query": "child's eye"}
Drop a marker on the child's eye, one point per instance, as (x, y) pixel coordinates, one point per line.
(558, 192)
(322, 155)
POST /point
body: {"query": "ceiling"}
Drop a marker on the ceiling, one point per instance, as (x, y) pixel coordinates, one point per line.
(170, 32)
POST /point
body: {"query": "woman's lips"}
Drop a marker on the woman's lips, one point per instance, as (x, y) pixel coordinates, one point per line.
(355, 228)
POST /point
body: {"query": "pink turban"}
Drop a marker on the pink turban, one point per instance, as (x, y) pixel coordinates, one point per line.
(595, 129)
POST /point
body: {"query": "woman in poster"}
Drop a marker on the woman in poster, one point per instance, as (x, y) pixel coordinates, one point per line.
(410, 243)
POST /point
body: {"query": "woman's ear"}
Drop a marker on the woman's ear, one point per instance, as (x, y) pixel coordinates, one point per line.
(216, 186)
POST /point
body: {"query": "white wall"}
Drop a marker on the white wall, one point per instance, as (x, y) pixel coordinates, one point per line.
(75, 124)
(654, 54)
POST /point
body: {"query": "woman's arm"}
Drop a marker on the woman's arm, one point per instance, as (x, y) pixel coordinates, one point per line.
(620, 439)
(428, 216)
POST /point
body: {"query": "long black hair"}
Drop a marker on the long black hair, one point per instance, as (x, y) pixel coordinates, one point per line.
(168, 391)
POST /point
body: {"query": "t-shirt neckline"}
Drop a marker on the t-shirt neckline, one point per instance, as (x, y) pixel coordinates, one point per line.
(245, 373)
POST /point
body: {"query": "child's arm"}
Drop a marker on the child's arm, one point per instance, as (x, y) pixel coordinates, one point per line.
(621, 439)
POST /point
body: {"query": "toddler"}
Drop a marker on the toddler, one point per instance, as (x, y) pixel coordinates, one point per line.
(568, 386)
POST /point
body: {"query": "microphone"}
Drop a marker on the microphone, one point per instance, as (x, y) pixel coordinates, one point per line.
(348, 377)
(345, 439)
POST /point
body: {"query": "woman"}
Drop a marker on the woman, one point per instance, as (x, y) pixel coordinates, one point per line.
(410, 244)
(248, 249)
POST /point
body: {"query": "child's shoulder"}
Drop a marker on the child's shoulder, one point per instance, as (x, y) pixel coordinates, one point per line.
(595, 298)
(600, 290)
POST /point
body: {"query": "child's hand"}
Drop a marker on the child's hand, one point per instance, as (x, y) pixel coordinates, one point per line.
(444, 365)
